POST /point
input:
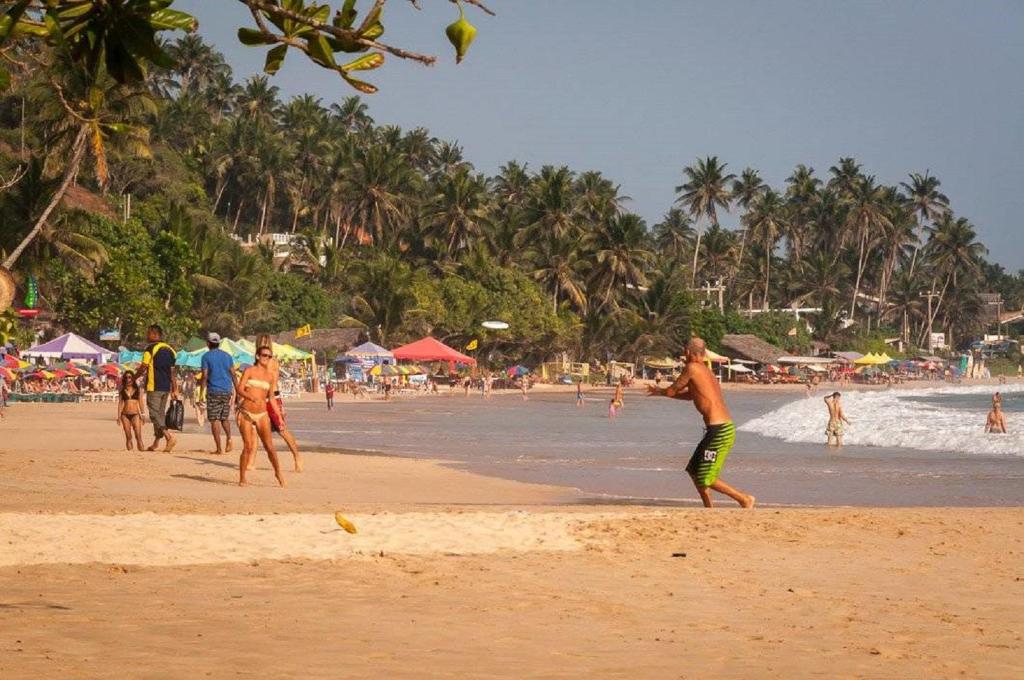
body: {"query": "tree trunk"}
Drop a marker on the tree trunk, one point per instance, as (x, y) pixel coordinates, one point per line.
(696, 249)
(222, 185)
(70, 172)
(860, 271)
(767, 277)
(238, 216)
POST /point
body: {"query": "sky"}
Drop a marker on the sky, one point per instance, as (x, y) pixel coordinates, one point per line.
(638, 90)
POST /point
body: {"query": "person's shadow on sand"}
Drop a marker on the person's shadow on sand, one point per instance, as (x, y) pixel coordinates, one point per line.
(208, 461)
(201, 478)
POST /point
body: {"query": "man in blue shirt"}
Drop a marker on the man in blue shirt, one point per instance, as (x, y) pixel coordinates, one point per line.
(218, 381)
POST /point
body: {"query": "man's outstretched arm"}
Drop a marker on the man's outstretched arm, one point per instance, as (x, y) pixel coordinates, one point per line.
(680, 389)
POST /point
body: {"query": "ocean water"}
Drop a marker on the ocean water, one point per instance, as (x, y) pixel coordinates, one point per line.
(905, 447)
(950, 419)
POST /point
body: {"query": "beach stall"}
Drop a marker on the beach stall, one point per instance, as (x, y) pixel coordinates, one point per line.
(69, 346)
(430, 349)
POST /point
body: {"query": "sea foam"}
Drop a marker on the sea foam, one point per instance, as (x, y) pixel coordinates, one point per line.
(887, 418)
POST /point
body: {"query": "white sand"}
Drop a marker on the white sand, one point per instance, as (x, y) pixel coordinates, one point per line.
(173, 540)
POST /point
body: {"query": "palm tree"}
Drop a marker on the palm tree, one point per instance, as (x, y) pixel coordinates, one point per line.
(674, 235)
(867, 215)
(904, 302)
(620, 257)
(550, 210)
(718, 251)
(705, 191)
(766, 221)
(845, 176)
(560, 268)
(380, 190)
(745, 191)
(801, 197)
(953, 251)
(926, 201)
(352, 114)
(458, 214)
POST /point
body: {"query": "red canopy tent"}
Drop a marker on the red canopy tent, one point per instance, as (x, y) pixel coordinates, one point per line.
(429, 349)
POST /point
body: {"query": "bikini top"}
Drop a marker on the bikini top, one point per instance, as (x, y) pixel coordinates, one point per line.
(259, 384)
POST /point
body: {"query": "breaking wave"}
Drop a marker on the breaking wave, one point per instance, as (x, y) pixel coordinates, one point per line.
(950, 419)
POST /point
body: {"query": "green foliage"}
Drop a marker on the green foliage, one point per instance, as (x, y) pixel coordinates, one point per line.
(774, 327)
(296, 301)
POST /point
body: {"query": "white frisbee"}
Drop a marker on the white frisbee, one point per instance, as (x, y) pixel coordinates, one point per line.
(495, 325)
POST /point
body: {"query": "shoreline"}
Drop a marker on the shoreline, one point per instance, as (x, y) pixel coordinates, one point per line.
(120, 563)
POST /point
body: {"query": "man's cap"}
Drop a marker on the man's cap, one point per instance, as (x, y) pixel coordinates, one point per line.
(214, 338)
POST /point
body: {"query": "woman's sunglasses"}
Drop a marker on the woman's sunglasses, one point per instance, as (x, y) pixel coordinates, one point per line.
(265, 355)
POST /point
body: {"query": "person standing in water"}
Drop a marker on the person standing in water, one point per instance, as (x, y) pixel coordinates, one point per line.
(996, 421)
(698, 384)
(836, 418)
(618, 400)
(329, 393)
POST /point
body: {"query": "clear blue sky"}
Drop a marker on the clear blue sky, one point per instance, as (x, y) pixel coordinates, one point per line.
(639, 89)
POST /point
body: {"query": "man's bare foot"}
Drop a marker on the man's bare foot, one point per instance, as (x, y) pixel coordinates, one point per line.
(280, 480)
(218, 452)
(243, 483)
(748, 502)
(229, 447)
(152, 447)
(171, 441)
(298, 464)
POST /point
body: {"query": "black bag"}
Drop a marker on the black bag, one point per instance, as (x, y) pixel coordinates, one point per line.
(175, 415)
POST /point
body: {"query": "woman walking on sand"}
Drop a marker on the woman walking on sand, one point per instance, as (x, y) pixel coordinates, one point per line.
(130, 410)
(254, 414)
(277, 418)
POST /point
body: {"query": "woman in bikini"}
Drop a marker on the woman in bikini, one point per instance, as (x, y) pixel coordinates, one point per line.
(130, 410)
(277, 423)
(253, 414)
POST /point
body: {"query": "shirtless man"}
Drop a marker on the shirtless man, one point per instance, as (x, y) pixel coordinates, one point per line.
(698, 384)
(836, 418)
(996, 421)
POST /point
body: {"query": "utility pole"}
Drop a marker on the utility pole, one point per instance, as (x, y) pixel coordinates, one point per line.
(708, 289)
(930, 295)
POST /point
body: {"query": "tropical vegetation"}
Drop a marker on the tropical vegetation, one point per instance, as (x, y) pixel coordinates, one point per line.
(206, 203)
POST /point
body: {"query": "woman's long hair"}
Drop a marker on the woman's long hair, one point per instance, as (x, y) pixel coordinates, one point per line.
(128, 378)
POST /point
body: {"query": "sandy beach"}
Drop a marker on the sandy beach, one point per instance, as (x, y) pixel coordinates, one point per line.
(117, 564)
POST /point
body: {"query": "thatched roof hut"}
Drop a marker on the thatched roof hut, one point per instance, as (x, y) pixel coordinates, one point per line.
(752, 348)
(324, 340)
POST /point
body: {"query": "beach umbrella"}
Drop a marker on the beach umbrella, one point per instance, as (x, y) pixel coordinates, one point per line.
(518, 371)
(13, 362)
(191, 360)
(194, 344)
(739, 368)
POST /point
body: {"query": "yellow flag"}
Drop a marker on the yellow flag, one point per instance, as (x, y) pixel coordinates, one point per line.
(792, 331)
(472, 344)
(303, 332)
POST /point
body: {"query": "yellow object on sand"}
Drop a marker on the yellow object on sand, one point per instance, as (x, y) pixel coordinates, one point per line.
(344, 523)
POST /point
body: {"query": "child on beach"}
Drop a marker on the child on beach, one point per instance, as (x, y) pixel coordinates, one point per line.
(615, 405)
(329, 392)
(579, 393)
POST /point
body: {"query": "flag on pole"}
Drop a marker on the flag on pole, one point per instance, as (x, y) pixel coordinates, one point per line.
(303, 332)
(472, 344)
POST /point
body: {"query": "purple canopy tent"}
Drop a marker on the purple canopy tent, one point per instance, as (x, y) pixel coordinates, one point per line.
(69, 346)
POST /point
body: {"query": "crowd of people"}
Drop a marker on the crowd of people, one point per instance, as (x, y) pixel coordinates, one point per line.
(254, 394)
